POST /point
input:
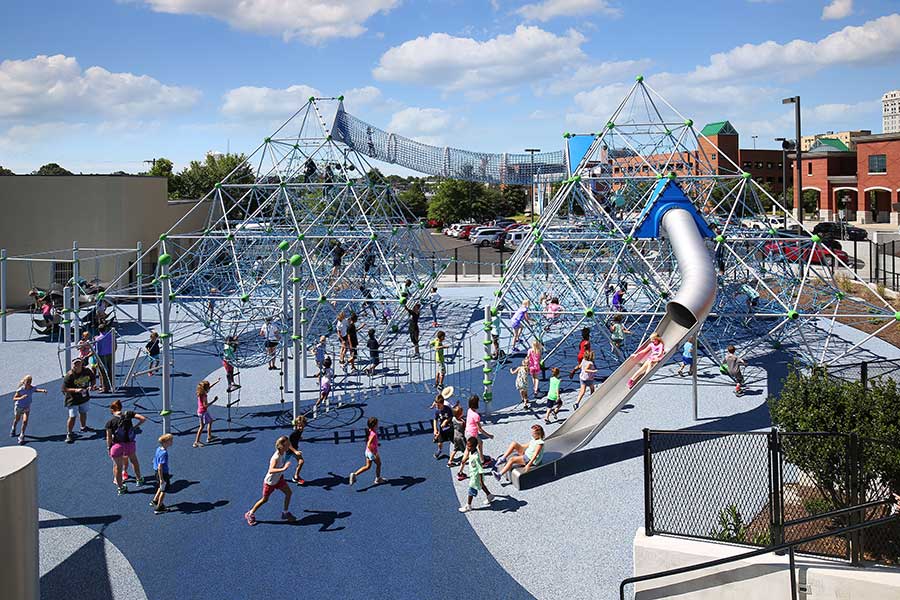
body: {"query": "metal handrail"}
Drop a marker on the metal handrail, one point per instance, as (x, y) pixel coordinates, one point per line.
(789, 546)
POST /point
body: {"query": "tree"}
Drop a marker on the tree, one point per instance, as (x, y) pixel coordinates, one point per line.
(4, 171)
(198, 178)
(513, 200)
(818, 402)
(455, 200)
(414, 199)
(52, 169)
(163, 167)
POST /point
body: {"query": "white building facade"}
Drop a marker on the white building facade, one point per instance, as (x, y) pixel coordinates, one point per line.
(890, 111)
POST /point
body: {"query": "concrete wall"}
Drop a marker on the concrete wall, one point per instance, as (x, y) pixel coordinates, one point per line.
(763, 578)
(101, 211)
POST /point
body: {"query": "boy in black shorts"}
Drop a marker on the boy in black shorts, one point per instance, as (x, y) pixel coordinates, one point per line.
(296, 434)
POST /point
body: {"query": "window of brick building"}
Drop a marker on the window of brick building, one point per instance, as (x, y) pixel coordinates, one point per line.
(712, 156)
(877, 164)
(780, 165)
(809, 168)
(768, 165)
(759, 165)
(748, 164)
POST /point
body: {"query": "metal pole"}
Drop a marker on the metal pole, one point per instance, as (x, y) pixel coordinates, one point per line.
(166, 335)
(478, 260)
(283, 321)
(487, 357)
(799, 157)
(784, 178)
(296, 337)
(694, 377)
(793, 573)
(76, 275)
(67, 325)
(3, 295)
(532, 186)
(140, 283)
(648, 485)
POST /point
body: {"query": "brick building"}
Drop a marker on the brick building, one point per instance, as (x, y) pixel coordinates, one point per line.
(861, 185)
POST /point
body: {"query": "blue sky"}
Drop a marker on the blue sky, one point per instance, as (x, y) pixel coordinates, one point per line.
(102, 85)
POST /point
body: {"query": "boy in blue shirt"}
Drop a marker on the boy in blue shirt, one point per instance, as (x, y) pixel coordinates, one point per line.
(161, 466)
(687, 358)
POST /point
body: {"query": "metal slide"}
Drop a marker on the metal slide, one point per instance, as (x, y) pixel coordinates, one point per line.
(685, 314)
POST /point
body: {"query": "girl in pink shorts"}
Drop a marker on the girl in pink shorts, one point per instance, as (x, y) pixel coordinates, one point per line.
(534, 364)
(650, 354)
(372, 455)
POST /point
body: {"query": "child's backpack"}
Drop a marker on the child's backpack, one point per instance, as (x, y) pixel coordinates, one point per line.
(124, 432)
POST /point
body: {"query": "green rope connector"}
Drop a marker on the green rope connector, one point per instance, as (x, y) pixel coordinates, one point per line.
(303, 321)
(610, 125)
(494, 311)
(487, 358)
(165, 413)
(720, 239)
(218, 186)
(172, 296)
(312, 99)
(746, 175)
(301, 237)
(295, 337)
(664, 294)
(897, 316)
(373, 236)
(394, 231)
(303, 309)
(295, 260)
(322, 299)
(539, 239)
(163, 336)
(245, 298)
(689, 123)
(672, 175)
(639, 78)
(487, 381)
(295, 280)
(645, 281)
(589, 313)
(394, 329)
(296, 146)
(497, 293)
(488, 396)
(567, 135)
(283, 245)
(815, 238)
(628, 239)
(164, 259)
(772, 231)
(267, 140)
(486, 370)
(340, 98)
(793, 315)
(65, 321)
(230, 237)
(487, 343)
(163, 237)
(101, 295)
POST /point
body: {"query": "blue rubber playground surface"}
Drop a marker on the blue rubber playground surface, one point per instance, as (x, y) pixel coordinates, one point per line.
(401, 539)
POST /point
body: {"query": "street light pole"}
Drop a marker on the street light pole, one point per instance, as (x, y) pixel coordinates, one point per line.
(785, 146)
(798, 180)
(531, 151)
(754, 140)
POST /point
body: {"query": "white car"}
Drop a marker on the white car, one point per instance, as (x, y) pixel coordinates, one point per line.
(764, 223)
(483, 236)
(515, 237)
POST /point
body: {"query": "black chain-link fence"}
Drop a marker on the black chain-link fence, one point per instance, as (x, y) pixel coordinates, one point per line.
(867, 370)
(766, 488)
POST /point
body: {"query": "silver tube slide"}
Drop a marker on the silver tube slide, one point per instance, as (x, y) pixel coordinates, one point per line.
(685, 314)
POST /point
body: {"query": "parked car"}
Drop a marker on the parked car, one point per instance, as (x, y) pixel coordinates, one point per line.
(465, 230)
(840, 230)
(515, 237)
(484, 236)
(764, 223)
(515, 226)
(503, 223)
(797, 253)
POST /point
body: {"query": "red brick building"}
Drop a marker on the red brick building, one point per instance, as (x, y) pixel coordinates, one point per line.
(864, 184)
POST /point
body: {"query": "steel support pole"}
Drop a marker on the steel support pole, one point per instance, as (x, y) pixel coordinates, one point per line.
(303, 310)
(799, 182)
(140, 283)
(694, 377)
(487, 357)
(3, 294)
(76, 275)
(296, 337)
(67, 326)
(166, 336)
(648, 484)
(283, 321)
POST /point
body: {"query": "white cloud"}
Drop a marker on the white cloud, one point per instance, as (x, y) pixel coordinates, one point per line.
(869, 42)
(423, 124)
(310, 21)
(838, 9)
(453, 63)
(250, 102)
(550, 9)
(56, 88)
(595, 74)
(265, 103)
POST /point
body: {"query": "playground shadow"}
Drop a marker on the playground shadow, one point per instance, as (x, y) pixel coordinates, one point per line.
(326, 483)
(404, 483)
(593, 458)
(195, 508)
(102, 520)
(506, 504)
(325, 519)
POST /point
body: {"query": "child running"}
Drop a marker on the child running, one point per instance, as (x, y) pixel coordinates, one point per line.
(274, 480)
(733, 364)
(586, 377)
(617, 333)
(229, 359)
(434, 301)
(459, 435)
(473, 430)
(374, 352)
(372, 455)
(520, 455)
(519, 318)
(651, 353)
(554, 402)
(294, 438)
(153, 350)
(521, 373)
(442, 421)
(476, 476)
(687, 358)
(325, 378)
(203, 415)
(440, 367)
(583, 347)
(534, 364)
(22, 406)
(319, 351)
(163, 476)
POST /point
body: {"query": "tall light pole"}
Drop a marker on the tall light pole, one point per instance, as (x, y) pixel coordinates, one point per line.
(798, 179)
(532, 151)
(754, 140)
(786, 145)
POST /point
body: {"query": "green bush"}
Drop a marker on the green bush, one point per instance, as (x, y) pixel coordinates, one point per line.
(815, 402)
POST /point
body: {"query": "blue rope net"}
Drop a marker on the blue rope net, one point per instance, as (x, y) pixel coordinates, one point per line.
(512, 169)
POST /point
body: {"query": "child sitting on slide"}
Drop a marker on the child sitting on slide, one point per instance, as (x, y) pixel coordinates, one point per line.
(651, 353)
